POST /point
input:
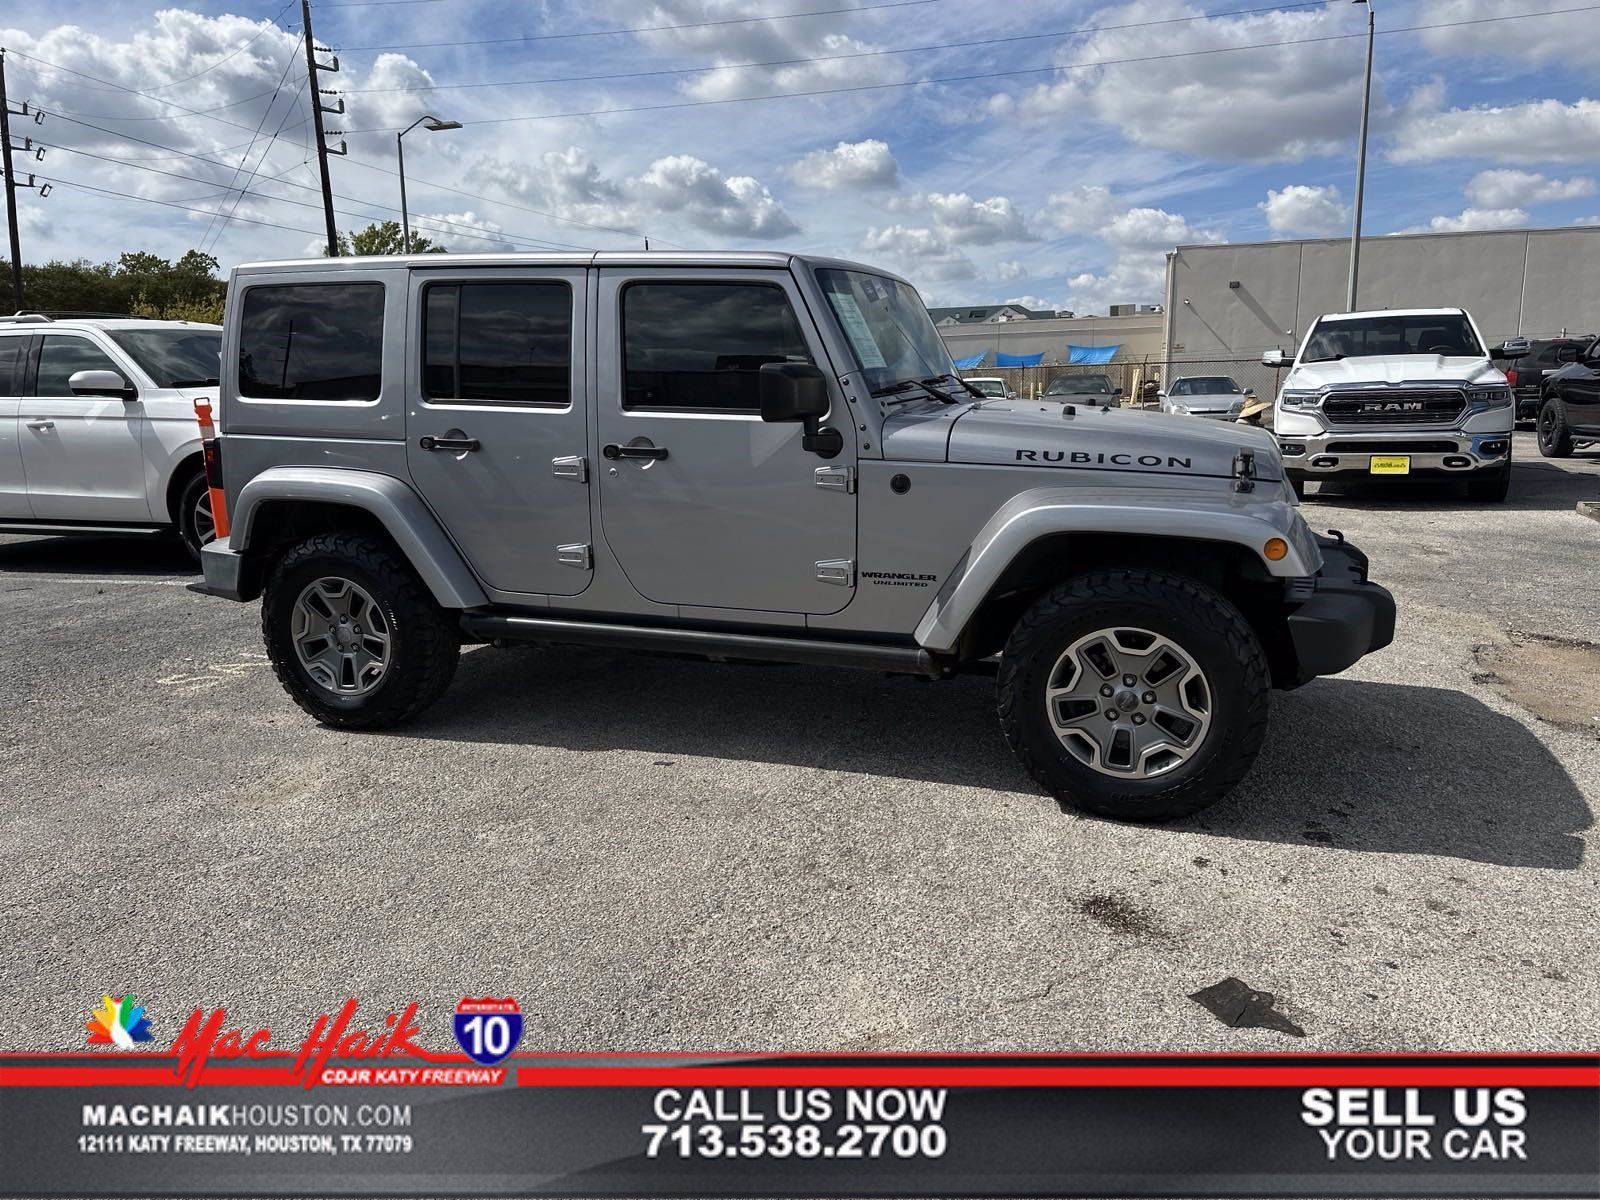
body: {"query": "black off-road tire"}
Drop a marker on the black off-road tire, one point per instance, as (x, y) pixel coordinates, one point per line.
(425, 641)
(1554, 430)
(1205, 624)
(190, 495)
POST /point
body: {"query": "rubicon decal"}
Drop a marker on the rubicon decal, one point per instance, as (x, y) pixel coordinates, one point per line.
(1079, 458)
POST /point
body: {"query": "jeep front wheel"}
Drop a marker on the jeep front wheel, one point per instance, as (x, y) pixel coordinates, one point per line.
(1134, 694)
(353, 636)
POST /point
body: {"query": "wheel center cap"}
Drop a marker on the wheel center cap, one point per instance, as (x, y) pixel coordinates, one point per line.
(1126, 701)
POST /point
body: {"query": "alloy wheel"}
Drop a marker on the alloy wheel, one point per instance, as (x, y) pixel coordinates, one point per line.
(1128, 702)
(341, 637)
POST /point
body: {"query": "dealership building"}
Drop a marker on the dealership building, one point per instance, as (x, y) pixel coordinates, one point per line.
(1234, 301)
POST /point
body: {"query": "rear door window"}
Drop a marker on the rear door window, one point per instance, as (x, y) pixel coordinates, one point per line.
(13, 360)
(498, 343)
(312, 341)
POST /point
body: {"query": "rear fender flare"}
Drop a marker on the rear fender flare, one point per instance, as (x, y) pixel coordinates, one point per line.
(1190, 515)
(395, 505)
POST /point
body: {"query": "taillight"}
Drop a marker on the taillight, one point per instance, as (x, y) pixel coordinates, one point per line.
(213, 458)
(1511, 376)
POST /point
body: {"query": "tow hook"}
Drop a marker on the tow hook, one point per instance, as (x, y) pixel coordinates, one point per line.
(1244, 471)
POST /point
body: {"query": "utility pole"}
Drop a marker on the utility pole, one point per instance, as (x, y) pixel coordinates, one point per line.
(317, 109)
(1361, 165)
(11, 185)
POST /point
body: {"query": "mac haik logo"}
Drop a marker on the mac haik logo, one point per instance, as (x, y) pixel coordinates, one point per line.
(208, 1037)
(488, 1029)
(120, 1022)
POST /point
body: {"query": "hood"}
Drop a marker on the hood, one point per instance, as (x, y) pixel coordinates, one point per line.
(1393, 369)
(1209, 401)
(1038, 433)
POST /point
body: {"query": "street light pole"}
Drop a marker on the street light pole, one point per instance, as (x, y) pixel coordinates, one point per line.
(433, 125)
(1361, 165)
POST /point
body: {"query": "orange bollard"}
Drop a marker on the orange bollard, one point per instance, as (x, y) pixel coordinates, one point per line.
(211, 449)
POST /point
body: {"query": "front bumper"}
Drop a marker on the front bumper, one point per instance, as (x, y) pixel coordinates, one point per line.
(1348, 455)
(1342, 617)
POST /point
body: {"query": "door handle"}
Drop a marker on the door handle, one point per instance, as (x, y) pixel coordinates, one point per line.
(461, 444)
(41, 424)
(614, 451)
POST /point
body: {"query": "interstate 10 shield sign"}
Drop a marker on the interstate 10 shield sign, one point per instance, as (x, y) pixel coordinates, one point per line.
(488, 1029)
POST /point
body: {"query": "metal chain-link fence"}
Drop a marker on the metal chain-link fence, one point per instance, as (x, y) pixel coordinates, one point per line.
(1140, 379)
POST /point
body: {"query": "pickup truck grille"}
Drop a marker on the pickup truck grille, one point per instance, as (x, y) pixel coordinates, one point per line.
(1395, 406)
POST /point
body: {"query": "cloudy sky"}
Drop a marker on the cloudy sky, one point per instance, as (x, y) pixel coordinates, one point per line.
(1042, 150)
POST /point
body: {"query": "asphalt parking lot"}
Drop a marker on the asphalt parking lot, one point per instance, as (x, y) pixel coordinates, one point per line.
(653, 854)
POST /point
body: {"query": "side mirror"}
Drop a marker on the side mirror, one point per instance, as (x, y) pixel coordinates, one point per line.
(1116, 391)
(1514, 347)
(793, 391)
(101, 383)
(1568, 354)
(1273, 358)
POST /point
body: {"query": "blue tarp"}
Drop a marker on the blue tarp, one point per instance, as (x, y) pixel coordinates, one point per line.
(1091, 354)
(975, 360)
(1018, 360)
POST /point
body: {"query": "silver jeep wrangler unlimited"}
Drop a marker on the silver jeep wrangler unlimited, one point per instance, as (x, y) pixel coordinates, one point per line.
(758, 457)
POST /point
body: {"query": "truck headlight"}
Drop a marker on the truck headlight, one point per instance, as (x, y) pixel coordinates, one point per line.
(1298, 398)
(1489, 397)
(1174, 406)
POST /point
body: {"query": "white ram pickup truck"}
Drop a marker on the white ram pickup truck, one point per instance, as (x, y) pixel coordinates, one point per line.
(1397, 392)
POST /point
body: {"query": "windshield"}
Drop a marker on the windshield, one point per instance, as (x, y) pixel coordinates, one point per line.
(174, 356)
(1211, 385)
(989, 387)
(1097, 385)
(1430, 333)
(887, 327)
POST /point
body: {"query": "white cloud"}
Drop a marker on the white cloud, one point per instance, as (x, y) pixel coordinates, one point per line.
(737, 205)
(1279, 102)
(865, 164)
(1525, 46)
(1132, 279)
(570, 184)
(1306, 211)
(1082, 210)
(756, 41)
(1536, 131)
(918, 253)
(1502, 188)
(1010, 272)
(1037, 303)
(1154, 228)
(1473, 218)
(463, 232)
(977, 222)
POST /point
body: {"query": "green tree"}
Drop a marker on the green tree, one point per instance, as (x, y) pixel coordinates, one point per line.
(138, 283)
(384, 237)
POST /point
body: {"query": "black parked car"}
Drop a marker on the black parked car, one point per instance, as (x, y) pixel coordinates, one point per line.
(1526, 376)
(1570, 413)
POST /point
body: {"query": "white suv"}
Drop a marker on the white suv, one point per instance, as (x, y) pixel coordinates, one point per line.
(97, 425)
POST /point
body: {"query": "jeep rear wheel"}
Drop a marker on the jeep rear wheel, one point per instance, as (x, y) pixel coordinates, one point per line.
(354, 637)
(1134, 694)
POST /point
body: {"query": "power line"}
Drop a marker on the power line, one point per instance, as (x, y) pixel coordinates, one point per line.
(1108, 62)
(205, 212)
(551, 37)
(442, 224)
(260, 125)
(823, 58)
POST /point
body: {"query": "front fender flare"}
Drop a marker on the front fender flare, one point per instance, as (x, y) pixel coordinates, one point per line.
(1246, 520)
(393, 502)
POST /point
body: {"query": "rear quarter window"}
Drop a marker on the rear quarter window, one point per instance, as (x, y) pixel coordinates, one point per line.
(311, 341)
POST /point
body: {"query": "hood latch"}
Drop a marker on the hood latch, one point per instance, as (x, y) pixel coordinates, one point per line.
(1244, 471)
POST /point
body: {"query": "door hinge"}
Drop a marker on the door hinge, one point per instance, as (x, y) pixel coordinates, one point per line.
(571, 466)
(579, 555)
(841, 572)
(836, 479)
